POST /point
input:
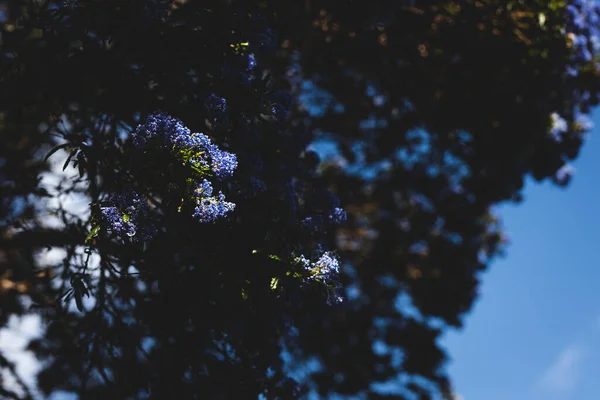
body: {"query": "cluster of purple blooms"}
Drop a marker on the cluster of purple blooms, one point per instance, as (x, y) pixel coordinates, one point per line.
(326, 271)
(583, 17)
(582, 28)
(338, 216)
(558, 126)
(196, 149)
(583, 35)
(128, 216)
(161, 131)
(209, 207)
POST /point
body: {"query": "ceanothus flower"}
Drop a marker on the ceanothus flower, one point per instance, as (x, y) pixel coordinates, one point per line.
(194, 149)
(325, 268)
(326, 271)
(203, 189)
(338, 216)
(584, 122)
(251, 62)
(564, 174)
(223, 163)
(208, 207)
(582, 17)
(128, 216)
(301, 260)
(559, 125)
(158, 127)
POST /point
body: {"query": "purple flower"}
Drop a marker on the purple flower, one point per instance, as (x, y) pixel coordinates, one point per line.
(209, 209)
(129, 216)
(338, 216)
(203, 189)
(223, 163)
(194, 148)
(326, 271)
(564, 174)
(584, 122)
(251, 63)
(326, 267)
(160, 127)
(559, 125)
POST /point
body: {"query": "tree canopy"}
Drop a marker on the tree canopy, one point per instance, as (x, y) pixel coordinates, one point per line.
(176, 156)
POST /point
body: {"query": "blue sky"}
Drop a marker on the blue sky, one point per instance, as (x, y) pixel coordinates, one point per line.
(535, 331)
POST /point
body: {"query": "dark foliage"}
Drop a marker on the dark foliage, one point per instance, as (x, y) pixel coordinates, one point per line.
(206, 265)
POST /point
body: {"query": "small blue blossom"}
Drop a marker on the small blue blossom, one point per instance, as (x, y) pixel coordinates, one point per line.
(584, 122)
(203, 189)
(209, 209)
(303, 261)
(338, 216)
(564, 174)
(326, 267)
(194, 148)
(326, 271)
(251, 63)
(582, 17)
(128, 217)
(313, 223)
(559, 126)
(158, 126)
(223, 163)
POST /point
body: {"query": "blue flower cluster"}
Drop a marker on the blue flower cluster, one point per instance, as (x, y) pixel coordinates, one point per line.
(582, 28)
(338, 216)
(582, 32)
(326, 271)
(558, 126)
(195, 149)
(269, 155)
(128, 216)
(583, 17)
(564, 174)
(209, 207)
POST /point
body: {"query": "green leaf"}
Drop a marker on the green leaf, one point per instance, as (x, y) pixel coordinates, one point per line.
(274, 282)
(126, 218)
(93, 233)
